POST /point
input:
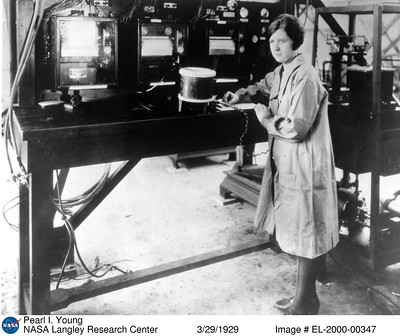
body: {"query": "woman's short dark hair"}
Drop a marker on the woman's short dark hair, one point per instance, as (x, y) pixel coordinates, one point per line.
(291, 26)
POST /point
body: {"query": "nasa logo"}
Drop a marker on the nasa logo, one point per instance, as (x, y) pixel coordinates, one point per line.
(10, 325)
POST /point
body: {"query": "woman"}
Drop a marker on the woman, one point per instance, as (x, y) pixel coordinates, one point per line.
(298, 200)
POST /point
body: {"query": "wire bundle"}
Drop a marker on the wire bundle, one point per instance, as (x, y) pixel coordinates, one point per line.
(88, 195)
(9, 137)
(64, 208)
(136, 9)
(202, 11)
(60, 6)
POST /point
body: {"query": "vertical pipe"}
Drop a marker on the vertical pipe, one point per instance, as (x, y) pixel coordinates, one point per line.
(375, 117)
(315, 38)
(26, 92)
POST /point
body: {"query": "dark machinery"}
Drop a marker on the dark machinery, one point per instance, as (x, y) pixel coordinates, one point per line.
(365, 127)
(351, 46)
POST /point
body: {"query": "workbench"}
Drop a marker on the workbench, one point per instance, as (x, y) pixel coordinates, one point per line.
(99, 134)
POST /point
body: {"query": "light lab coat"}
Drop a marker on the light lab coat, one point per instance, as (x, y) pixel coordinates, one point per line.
(304, 212)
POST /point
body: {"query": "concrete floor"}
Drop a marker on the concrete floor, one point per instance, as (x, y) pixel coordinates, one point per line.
(160, 214)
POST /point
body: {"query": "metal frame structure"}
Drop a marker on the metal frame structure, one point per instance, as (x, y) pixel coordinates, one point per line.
(376, 258)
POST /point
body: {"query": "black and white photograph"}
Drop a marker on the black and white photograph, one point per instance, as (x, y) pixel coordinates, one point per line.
(223, 159)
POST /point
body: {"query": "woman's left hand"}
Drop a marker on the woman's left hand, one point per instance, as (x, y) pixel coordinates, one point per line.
(262, 112)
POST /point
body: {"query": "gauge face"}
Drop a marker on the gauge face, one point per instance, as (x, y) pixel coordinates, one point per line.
(254, 38)
(144, 31)
(168, 31)
(244, 12)
(264, 13)
(231, 4)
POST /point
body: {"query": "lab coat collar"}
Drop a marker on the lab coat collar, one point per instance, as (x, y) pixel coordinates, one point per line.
(289, 69)
(282, 77)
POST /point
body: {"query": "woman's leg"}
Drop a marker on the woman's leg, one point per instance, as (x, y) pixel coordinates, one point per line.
(306, 299)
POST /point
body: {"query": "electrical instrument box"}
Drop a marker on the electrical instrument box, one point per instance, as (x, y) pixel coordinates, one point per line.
(80, 52)
(218, 45)
(359, 81)
(231, 38)
(152, 51)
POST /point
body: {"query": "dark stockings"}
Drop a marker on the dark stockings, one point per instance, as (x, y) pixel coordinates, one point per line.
(306, 293)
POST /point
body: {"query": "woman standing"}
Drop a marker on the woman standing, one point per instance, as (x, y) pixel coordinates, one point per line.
(298, 200)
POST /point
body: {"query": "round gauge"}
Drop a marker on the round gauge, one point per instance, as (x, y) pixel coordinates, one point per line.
(107, 50)
(181, 49)
(231, 4)
(242, 49)
(168, 31)
(244, 12)
(264, 13)
(254, 38)
(144, 31)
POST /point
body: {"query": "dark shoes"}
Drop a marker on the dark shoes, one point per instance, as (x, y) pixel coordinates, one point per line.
(285, 306)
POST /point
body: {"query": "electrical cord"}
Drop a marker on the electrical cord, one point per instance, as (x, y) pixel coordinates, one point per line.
(73, 242)
(306, 12)
(9, 136)
(58, 203)
(246, 128)
(83, 276)
(202, 10)
(13, 226)
(136, 9)
(162, 79)
(61, 5)
(70, 234)
(89, 194)
(36, 20)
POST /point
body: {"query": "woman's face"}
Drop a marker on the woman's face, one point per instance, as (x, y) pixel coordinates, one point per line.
(281, 46)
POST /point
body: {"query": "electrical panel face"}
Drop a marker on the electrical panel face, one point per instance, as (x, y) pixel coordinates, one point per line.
(231, 38)
(152, 50)
(161, 48)
(83, 53)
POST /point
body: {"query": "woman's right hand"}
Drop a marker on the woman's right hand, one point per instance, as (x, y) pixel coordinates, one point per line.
(230, 98)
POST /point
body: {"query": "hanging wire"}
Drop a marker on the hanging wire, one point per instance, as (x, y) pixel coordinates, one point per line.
(175, 68)
(246, 128)
(60, 6)
(306, 12)
(7, 208)
(136, 9)
(202, 10)
(70, 233)
(9, 136)
(88, 195)
(72, 239)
